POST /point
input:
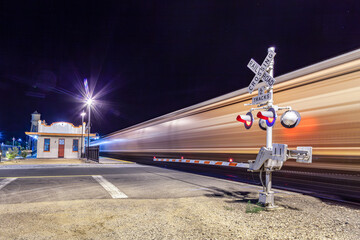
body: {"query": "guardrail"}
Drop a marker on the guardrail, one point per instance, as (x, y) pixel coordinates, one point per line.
(92, 153)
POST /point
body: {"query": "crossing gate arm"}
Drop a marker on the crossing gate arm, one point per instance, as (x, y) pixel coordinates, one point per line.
(205, 162)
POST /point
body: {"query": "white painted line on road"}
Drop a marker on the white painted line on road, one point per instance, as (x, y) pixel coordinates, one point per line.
(61, 176)
(109, 187)
(6, 181)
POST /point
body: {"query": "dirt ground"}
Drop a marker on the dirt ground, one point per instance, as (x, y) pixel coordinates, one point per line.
(303, 217)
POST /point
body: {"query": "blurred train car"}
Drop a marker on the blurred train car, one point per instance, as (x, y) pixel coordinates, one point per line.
(326, 94)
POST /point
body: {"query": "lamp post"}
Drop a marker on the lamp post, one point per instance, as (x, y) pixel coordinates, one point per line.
(82, 131)
(89, 102)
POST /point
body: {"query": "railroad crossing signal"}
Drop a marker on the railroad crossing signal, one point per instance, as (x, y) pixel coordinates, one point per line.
(260, 71)
(271, 157)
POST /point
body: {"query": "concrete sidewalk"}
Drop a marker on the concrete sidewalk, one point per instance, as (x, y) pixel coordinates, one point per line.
(36, 161)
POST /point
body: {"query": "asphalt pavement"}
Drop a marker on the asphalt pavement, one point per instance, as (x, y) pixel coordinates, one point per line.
(23, 184)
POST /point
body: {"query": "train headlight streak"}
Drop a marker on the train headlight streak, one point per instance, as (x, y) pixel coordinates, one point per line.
(247, 119)
(290, 119)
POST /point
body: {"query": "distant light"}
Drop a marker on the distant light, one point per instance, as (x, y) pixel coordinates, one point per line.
(230, 160)
(86, 87)
(154, 157)
(19, 140)
(83, 113)
(182, 157)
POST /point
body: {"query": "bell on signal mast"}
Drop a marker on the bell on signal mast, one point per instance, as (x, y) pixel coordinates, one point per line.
(269, 116)
(247, 119)
(290, 119)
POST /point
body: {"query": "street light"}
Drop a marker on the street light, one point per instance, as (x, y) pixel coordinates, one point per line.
(89, 102)
(82, 131)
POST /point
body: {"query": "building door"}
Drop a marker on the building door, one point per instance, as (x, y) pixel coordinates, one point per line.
(61, 148)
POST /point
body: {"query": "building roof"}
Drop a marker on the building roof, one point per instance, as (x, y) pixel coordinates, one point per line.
(59, 134)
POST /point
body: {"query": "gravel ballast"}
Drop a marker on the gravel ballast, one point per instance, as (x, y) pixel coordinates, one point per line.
(206, 217)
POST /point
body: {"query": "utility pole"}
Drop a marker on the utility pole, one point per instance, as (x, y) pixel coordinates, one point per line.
(82, 132)
(89, 127)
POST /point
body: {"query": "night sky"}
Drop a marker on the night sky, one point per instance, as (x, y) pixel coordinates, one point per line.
(144, 59)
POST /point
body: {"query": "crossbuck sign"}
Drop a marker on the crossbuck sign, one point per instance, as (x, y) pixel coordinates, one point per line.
(260, 72)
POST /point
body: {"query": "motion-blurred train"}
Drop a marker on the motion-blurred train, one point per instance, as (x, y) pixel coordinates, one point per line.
(326, 94)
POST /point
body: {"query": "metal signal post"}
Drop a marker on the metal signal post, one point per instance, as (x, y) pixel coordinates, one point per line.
(271, 157)
(268, 196)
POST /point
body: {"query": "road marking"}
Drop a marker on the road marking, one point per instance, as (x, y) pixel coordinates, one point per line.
(109, 187)
(6, 181)
(114, 159)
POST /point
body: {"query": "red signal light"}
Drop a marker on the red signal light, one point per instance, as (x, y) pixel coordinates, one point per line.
(269, 116)
(182, 157)
(246, 119)
(243, 118)
(230, 160)
(265, 115)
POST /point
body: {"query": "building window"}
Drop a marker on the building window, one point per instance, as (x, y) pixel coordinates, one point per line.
(47, 145)
(75, 145)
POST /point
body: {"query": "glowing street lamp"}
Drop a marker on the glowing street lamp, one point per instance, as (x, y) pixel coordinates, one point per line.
(89, 101)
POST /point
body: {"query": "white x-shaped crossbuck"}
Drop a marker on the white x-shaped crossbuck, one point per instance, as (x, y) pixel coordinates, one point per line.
(260, 71)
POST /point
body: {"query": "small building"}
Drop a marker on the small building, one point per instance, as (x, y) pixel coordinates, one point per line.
(35, 117)
(59, 140)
